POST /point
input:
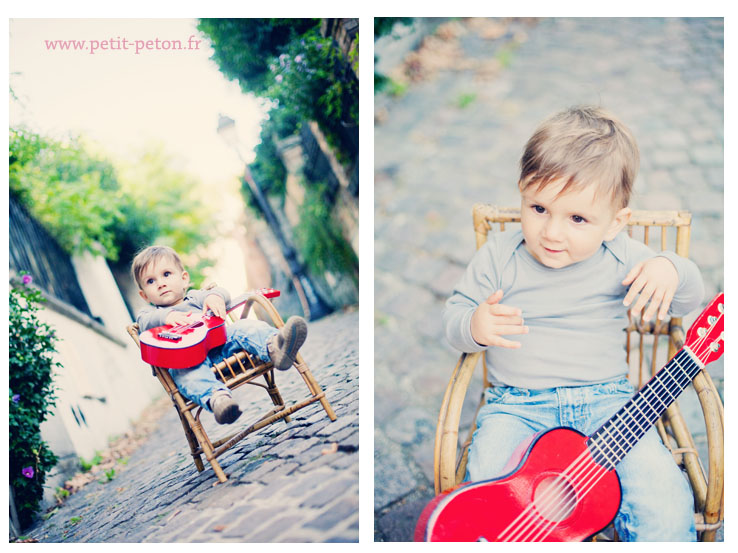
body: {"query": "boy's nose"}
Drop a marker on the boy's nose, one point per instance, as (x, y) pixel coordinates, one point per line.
(553, 230)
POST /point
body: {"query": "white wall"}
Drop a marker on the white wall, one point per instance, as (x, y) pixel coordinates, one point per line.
(101, 379)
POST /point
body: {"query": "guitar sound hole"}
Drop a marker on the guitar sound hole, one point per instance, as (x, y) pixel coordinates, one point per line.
(554, 498)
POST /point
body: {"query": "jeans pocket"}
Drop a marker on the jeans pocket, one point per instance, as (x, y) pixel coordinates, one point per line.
(616, 388)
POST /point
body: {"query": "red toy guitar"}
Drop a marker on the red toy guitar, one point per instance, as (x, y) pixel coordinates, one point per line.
(187, 345)
(564, 486)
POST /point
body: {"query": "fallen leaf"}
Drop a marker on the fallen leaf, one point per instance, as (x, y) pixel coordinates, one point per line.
(330, 449)
(219, 528)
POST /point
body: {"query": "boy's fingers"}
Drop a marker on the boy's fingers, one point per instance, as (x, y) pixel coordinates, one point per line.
(657, 300)
(494, 298)
(630, 277)
(501, 342)
(501, 310)
(643, 299)
(665, 304)
(635, 288)
(510, 329)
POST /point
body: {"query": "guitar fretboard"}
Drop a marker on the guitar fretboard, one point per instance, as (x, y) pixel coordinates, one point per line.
(614, 439)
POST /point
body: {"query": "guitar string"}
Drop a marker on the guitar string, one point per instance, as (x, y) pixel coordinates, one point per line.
(573, 468)
(583, 457)
(563, 489)
(593, 481)
(593, 476)
(702, 359)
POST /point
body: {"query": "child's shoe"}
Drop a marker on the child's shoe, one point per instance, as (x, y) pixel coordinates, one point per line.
(283, 347)
(224, 407)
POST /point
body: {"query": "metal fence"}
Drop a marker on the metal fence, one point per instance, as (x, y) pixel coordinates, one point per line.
(34, 250)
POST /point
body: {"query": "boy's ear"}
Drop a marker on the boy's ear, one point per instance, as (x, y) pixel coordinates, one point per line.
(618, 223)
(186, 278)
(143, 295)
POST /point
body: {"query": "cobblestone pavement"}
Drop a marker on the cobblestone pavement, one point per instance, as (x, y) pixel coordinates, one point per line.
(295, 482)
(455, 137)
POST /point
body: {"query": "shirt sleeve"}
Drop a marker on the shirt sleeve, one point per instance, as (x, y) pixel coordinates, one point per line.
(151, 317)
(198, 296)
(479, 281)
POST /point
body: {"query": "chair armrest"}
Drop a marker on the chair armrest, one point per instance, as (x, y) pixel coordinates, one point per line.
(447, 429)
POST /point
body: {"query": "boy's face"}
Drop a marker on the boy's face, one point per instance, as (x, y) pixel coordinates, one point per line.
(163, 284)
(563, 230)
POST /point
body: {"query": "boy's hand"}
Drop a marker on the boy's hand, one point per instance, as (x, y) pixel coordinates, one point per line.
(178, 318)
(492, 319)
(655, 279)
(216, 304)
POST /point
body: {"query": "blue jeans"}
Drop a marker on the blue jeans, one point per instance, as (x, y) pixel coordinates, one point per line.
(657, 503)
(199, 383)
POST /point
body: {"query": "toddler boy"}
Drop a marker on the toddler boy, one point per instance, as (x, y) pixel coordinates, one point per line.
(164, 283)
(567, 278)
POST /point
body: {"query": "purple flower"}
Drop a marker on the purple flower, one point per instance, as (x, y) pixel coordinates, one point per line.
(27, 472)
(16, 398)
(319, 46)
(278, 78)
(27, 279)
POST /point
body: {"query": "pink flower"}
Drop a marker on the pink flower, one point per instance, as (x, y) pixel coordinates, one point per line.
(27, 279)
(279, 78)
(27, 472)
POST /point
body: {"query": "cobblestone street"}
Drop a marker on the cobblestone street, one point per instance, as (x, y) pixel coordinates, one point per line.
(453, 137)
(295, 482)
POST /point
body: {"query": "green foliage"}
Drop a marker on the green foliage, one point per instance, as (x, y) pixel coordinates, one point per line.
(69, 191)
(32, 395)
(86, 466)
(268, 169)
(466, 99)
(161, 205)
(243, 48)
(319, 238)
(84, 200)
(384, 25)
(289, 62)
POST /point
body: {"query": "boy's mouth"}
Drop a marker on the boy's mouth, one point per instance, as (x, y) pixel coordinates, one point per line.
(549, 250)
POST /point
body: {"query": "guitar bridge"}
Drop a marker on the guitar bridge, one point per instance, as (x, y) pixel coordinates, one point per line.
(170, 336)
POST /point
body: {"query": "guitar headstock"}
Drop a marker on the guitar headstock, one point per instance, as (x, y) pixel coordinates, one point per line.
(268, 292)
(705, 336)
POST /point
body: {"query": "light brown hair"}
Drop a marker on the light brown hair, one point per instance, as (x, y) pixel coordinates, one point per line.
(584, 145)
(148, 255)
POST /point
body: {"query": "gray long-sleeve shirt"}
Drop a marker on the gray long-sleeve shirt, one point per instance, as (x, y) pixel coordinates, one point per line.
(575, 314)
(154, 315)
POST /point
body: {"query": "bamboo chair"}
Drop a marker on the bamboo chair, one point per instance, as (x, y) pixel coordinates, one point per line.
(236, 371)
(644, 357)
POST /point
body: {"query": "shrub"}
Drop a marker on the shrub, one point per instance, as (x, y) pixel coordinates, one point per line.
(32, 394)
(319, 237)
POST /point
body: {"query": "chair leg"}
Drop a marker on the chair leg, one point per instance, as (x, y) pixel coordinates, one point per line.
(195, 435)
(192, 441)
(207, 448)
(274, 392)
(313, 386)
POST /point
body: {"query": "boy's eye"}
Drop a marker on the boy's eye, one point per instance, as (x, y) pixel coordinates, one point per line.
(167, 273)
(539, 209)
(578, 219)
(150, 281)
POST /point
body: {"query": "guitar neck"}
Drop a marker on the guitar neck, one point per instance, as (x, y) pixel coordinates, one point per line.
(266, 292)
(614, 439)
